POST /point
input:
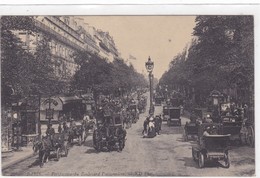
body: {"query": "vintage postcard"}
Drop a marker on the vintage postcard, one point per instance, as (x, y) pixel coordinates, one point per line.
(128, 95)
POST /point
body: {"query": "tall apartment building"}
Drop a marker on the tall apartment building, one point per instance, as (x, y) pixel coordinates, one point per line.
(68, 34)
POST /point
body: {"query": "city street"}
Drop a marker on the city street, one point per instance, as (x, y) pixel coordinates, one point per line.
(165, 155)
(87, 78)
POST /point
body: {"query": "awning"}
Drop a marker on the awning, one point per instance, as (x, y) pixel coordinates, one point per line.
(70, 99)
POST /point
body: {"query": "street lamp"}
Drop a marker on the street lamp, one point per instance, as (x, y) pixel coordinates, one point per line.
(149, 67)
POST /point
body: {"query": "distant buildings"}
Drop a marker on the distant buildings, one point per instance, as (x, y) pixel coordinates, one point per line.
(68, 34)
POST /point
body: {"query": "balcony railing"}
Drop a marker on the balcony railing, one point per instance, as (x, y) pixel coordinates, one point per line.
(57, 36)
(64, 26)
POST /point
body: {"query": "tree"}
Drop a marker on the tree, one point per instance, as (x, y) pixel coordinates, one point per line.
(16, 65)
(104, 77)
(221, 56)
(25, 72)
(45, 80)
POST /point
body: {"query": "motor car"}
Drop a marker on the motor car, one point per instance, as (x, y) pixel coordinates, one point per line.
(212, 147)
(174, 118)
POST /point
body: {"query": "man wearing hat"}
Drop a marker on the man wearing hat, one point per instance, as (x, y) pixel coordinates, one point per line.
(214, 130)
(50, 133)
(207, 131)
(208, 119)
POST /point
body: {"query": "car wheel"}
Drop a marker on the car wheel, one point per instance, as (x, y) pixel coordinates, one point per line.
(226, 161)
(201, 160)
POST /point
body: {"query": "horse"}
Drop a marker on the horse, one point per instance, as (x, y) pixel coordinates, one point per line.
(44, 148)
(76, 132)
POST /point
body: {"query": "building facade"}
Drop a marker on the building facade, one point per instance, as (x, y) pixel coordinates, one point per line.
(68, 34)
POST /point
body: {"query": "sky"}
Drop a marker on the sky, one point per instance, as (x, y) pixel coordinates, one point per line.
(160, 37)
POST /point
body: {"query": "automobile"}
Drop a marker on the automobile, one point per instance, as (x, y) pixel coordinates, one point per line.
(213, 147)
(165, 112)
(232, 125)
(174, 114)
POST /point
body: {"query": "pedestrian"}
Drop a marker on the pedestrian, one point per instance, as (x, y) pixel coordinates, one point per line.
(65, 126)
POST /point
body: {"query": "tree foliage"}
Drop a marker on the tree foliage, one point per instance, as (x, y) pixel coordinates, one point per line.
(105, 77)
(221, 57)
(25, 73)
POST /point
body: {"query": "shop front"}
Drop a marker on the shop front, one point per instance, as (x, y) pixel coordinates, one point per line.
(58, 109)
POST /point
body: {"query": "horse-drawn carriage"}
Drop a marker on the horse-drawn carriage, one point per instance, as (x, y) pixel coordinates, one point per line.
(48, 146)
(109, 133)
(77, 132)
(191, 128)
(232, 125)
(212, 147)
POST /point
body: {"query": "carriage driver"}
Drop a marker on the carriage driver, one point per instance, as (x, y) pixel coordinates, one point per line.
(50, 133)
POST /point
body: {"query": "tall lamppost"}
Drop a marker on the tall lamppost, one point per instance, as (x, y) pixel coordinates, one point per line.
(149, 67)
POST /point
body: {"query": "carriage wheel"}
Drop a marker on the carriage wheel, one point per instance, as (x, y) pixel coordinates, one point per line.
(201, 160)
(251, 136)
(226, 161)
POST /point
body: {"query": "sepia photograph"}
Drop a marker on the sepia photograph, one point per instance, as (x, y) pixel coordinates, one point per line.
(128, 95)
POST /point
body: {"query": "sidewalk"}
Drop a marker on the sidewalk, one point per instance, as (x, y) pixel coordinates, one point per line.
(10, 158)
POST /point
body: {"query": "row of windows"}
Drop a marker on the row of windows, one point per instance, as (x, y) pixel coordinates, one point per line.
(62, 32)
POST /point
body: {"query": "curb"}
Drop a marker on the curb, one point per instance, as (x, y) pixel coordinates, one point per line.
(17, 161)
